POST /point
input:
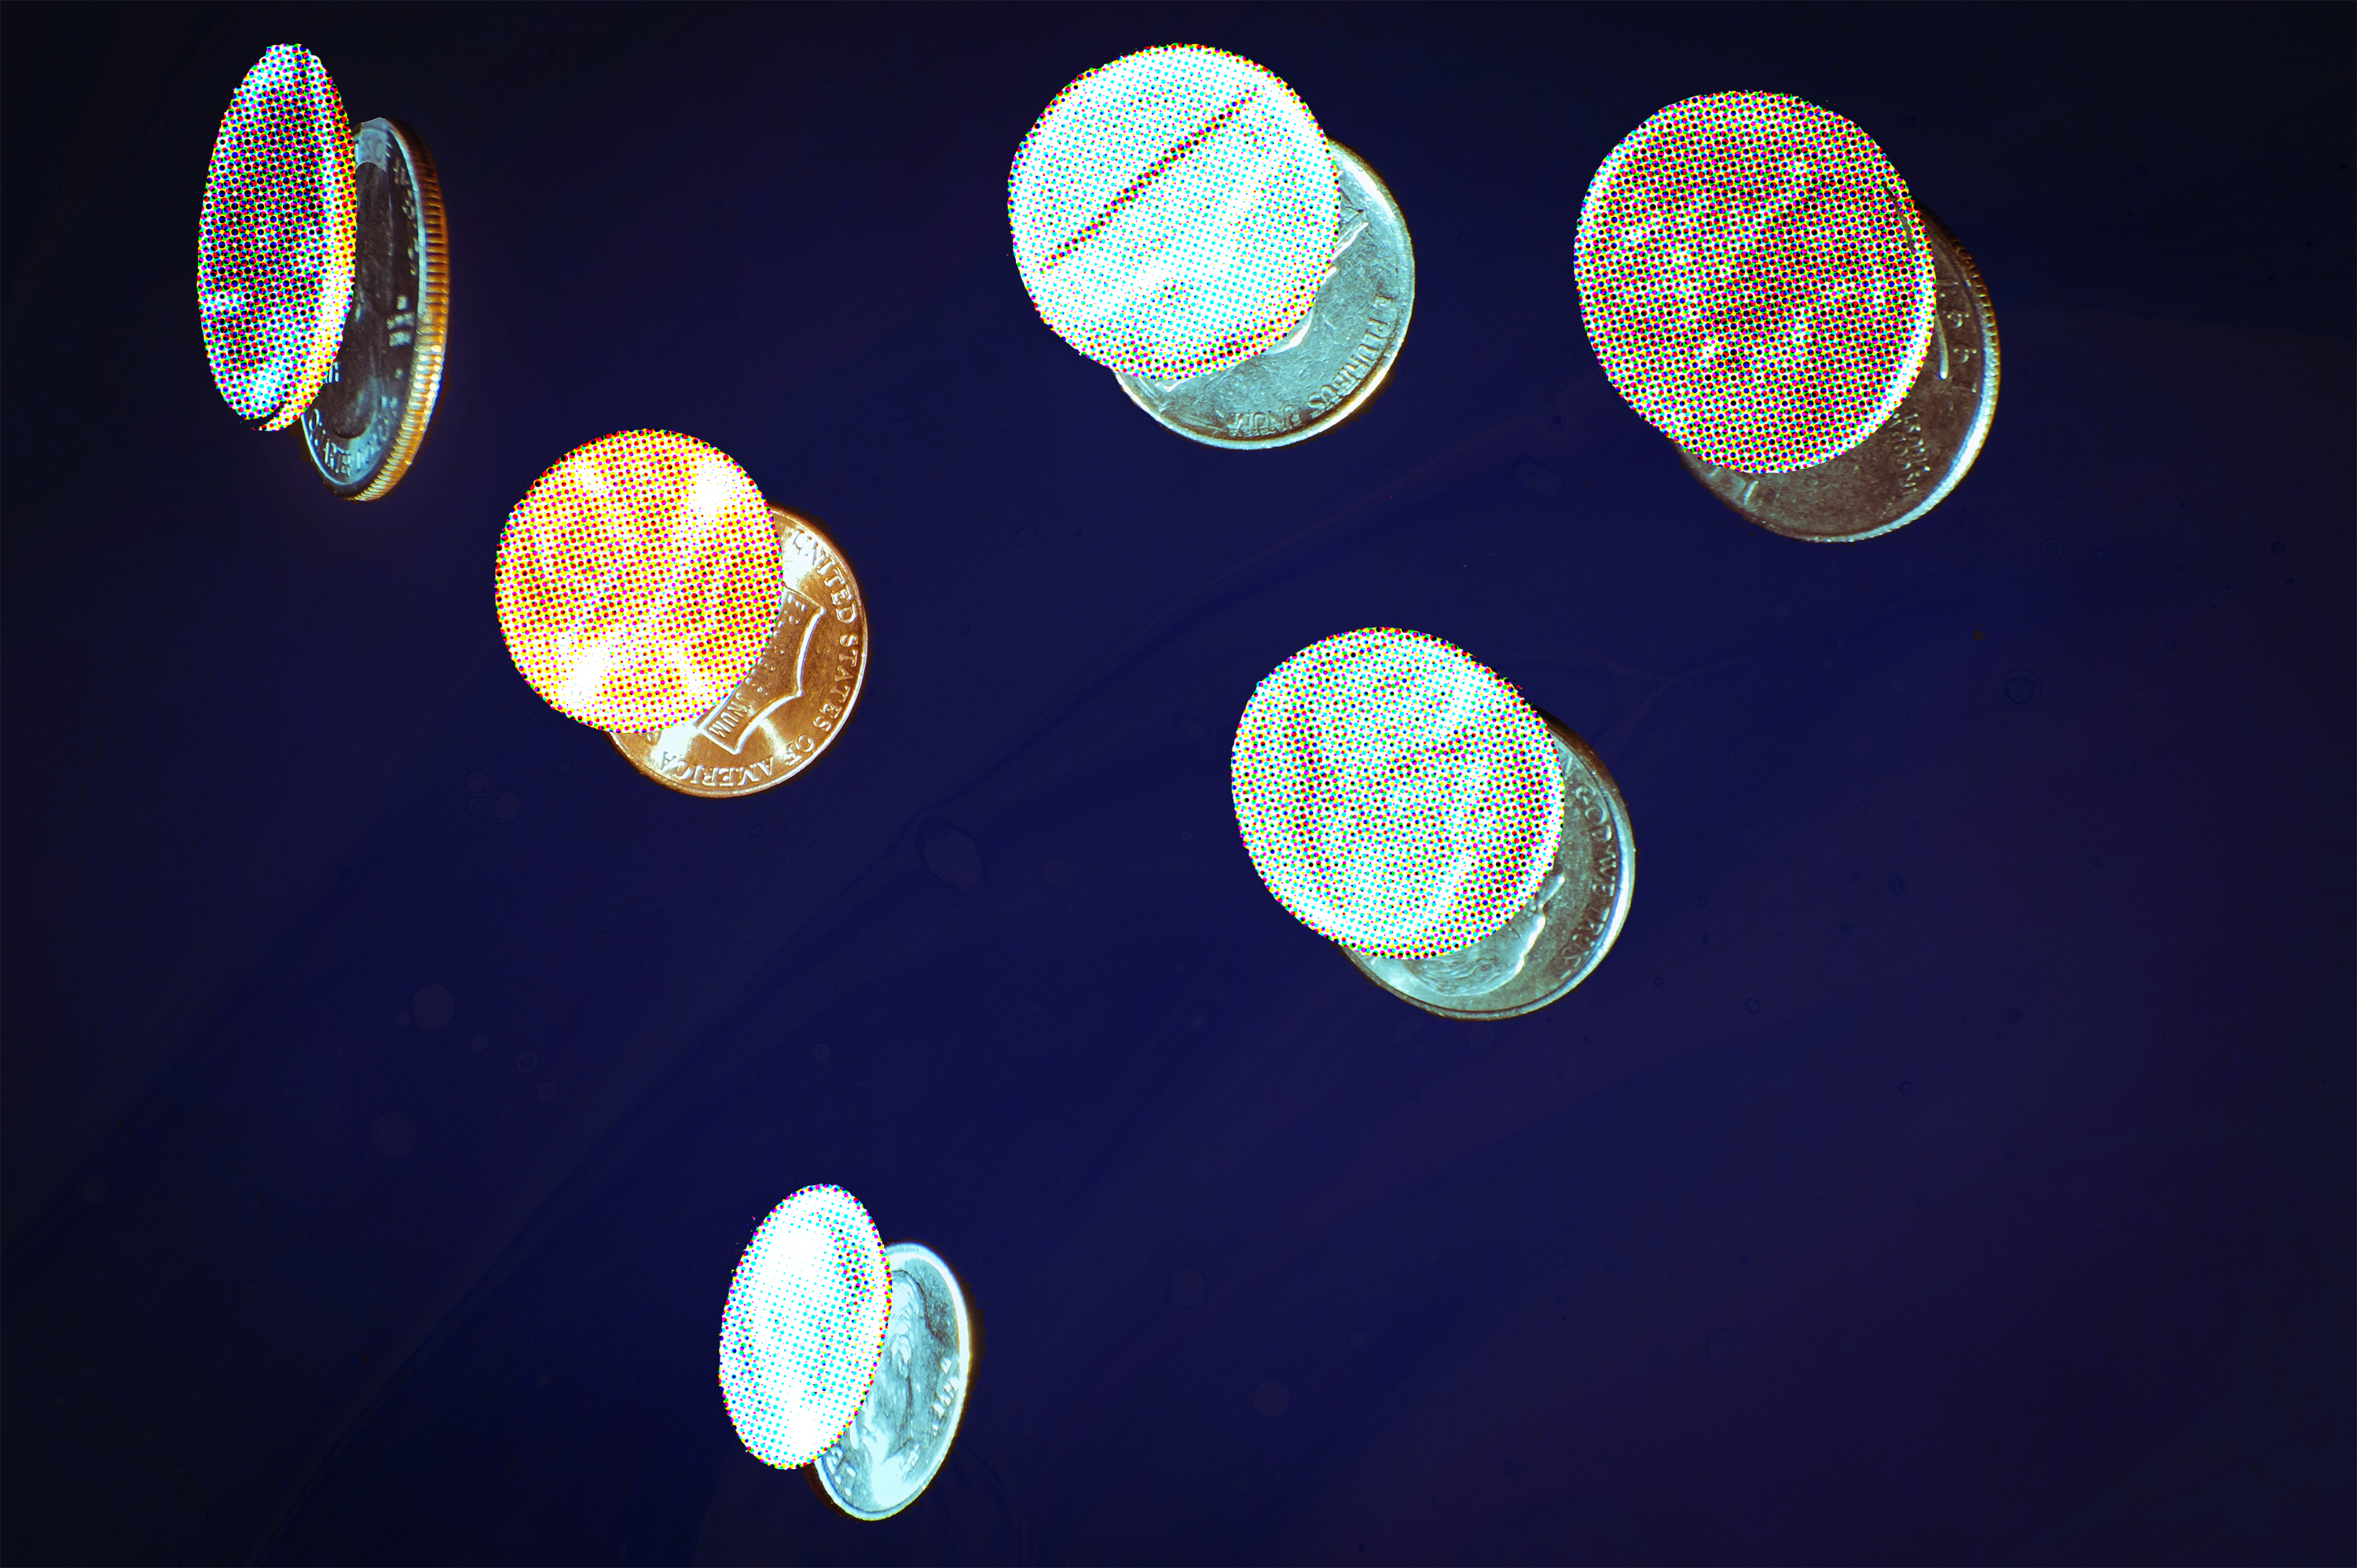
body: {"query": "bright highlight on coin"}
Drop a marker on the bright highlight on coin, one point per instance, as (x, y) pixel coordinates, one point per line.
(1397, 796)
(275, 241)
(1755, 279)
(804, 1328)
(639, 580)
(1173, 212)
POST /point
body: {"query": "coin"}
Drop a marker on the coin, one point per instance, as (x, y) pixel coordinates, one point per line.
(800, 694)
(1917, 456)
(1331, 365)
(1556, 940)
(1754, 279)
(895, 1443)
(804, 1320)
(364, 426)
(274, 240)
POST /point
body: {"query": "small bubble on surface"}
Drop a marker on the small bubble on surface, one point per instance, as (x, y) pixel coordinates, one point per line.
(1271, 1397)
(93, 1189)
(1188, 1288)
(507, 806)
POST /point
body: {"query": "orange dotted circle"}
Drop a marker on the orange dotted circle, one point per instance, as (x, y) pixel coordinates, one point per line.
(640, 580)
(275, 238)
(1755, 279)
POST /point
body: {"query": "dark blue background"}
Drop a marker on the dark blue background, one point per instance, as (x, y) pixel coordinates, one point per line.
(1951, 1162)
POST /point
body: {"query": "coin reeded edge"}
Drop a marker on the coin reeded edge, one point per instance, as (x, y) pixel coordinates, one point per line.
(433, 313)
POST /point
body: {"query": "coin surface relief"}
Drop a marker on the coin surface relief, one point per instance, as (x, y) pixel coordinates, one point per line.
(1917, 456)
(1558, 938)
(363, 428)
(783, 715)
(897, 1443)
(1328, 367)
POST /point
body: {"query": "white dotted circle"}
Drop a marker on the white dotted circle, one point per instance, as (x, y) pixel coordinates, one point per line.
(276, 236)
(804, 1328)
(1396, 795)
(1174, 211)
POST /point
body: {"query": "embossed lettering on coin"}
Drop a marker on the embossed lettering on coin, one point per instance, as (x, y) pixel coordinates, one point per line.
(1917, 455)
(1328, 368)
(1556, 939)
(785, 713)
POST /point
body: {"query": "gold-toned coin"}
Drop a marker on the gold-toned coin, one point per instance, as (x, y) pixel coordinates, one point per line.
(275, 238)
(783, 716)
(637, 580)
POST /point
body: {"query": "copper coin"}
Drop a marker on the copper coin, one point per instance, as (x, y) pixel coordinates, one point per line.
(782, 715)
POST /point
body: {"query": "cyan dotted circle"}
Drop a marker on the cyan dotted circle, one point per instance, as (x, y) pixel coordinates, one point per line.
(1755, 280)
(804, 1328)
(1396, 795)
(1173, 212)
(275, 238)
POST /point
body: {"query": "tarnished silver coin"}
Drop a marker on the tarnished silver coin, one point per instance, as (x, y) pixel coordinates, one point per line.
(895, 1443)
(1914, 457)
(365, 424)
(1327, 368)
(1556, 940)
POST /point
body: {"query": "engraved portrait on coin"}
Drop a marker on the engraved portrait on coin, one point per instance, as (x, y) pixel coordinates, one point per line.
(780, 717)
(1915, 456)
(1328, 368)
(1556, 940)
(363, 428)
(895, 1443)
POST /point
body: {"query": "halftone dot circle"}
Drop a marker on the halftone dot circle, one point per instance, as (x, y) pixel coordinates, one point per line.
(275, 238)
(1174, 211)
(804, 1328)
(1755, 280)
(640, 580)
(1396, 795)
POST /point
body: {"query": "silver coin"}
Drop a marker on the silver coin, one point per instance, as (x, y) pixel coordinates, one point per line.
(895, 1443)
(364, 426)
(1914, 457)
(1326, 368)
(1558, 938)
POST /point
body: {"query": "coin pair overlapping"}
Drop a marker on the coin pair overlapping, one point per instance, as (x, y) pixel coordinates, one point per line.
(646, 588)
(1758, 284)
(839, 1352)
(323, 273)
